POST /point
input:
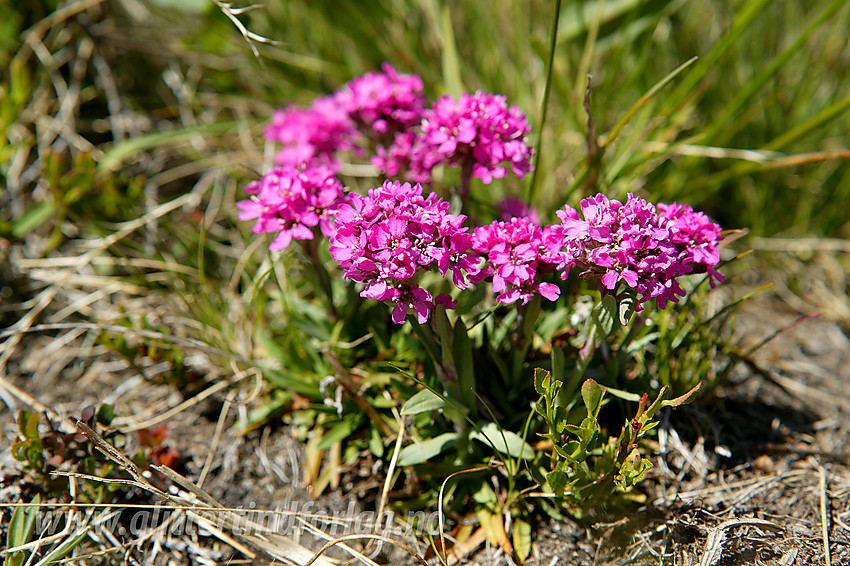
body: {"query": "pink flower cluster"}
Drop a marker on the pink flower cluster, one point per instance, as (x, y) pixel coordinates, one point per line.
(374, 105)
(479, 131)
(292, 202)
(384, 103)
(633, 243)
(313, 135)
(389, 238)
(695, 236)
(518, 253)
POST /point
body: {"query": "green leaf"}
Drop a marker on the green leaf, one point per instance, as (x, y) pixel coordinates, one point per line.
(620, 394)
(444, 331)
(597, 328)
(522, 538)
(486, 496)
(21, 420)
(503, 441)
(21, 529)
(64, 549)
(606, 314)
(31, 428)
(462, 354)
(683, 399)
(557, 480)
(339, 431)
(33, 218)
(105, 414)
(419, 452)
(542, 379)
(591, 394)
(628, 304)
(559, 362)
(376, 443)
(260, 415)
(423, 401)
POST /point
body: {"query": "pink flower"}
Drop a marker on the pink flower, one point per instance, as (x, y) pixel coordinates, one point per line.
(292, 203)
(313, 135)
(518, 253)
(388, 239)
(383, 103)
(695, 235)
(634, 244)
(480, 129)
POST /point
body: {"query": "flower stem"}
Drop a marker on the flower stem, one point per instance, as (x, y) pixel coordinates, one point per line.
(428, 340)
(311, 250)
(465, 179)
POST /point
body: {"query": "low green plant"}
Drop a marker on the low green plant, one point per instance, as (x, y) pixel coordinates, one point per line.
(41, 453)
(21, 532)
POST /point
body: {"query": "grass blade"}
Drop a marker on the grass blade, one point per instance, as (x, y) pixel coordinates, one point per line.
(745, 16)
(736, 106)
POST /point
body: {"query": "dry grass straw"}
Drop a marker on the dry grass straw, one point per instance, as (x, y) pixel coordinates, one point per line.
(248, 537)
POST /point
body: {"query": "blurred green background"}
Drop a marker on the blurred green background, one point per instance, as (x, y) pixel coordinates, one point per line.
(771, 79)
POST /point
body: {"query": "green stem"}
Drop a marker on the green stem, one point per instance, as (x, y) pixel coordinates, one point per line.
(465, 180)
(526, 316)
(427, 337)
(553, 42)
(311, 250)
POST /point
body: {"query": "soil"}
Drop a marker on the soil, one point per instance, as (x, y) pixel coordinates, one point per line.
(758, 475)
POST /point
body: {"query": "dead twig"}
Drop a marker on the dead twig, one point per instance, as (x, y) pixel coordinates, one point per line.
(714, 545)
(824, 518)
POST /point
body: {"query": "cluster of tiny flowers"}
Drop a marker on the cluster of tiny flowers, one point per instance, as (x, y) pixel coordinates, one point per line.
(518, 253)
(633, 243)
(388, 238)
(372, 106)
(312, 135)
(384, 103)
(292, 202)
(479, 130)
(695, 236)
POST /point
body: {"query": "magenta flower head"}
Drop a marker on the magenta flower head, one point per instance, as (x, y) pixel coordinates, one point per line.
(313, 135)
(389, 238)
(695, 236)
(518, 253)
(633, 244)
(479, 129)
(383, 103)
(292, 203)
